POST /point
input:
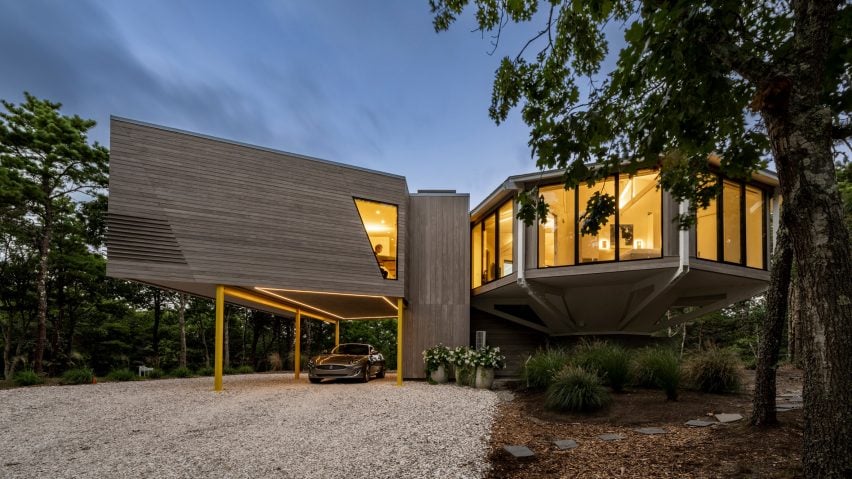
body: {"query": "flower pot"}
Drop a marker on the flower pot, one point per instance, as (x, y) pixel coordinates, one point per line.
(484, 377)
(440, 375)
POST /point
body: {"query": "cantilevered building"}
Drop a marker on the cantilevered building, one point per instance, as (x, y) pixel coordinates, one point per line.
(303, 237)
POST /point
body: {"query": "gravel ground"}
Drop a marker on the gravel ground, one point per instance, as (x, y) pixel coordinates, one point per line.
(262, 425)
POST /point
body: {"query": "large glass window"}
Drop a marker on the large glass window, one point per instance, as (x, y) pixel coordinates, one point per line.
(476, 270)
(741, 215)
(489, 251)
(640, 217)
(556, 236)
(731, 222)
(600, 247)
(492, 245)
(707, 232)
(505, 227)
(754, 215)
(380, 223)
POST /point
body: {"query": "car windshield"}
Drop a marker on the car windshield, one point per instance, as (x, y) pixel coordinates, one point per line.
(360, 349)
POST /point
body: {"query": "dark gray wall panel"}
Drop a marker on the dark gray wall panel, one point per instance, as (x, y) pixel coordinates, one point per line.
(242, 215)
(439, 276)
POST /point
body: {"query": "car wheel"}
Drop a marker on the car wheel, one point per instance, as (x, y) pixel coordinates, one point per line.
(366, 377)
(315, 380)
(381, 373)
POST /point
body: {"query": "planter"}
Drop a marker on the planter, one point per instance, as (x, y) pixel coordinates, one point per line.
(464, 376)
(484, 377)
(440, 375)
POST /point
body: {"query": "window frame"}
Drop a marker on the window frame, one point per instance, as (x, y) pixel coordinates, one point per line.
(720, 219)
(480, 223)
(617, 223)
(364, 228)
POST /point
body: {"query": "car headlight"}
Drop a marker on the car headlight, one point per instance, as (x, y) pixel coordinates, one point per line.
(311, 363)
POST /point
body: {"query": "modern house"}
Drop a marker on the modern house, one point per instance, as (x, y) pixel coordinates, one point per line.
(304, 237)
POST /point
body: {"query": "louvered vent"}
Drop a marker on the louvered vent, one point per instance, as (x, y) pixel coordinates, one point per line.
(137, 238)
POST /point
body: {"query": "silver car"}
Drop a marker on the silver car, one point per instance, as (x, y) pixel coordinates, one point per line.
(347, 361)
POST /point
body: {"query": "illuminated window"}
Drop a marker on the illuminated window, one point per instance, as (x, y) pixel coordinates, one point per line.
(506, 223)
(640, 217)
(380, 222)
(754, 215)
(492, 245)
(600, 247)
(556, 236)
(489, 249)
(476, 270)
(707, 233)
(731, 222)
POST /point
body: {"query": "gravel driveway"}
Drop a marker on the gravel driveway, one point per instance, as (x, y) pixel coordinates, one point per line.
(262, 425)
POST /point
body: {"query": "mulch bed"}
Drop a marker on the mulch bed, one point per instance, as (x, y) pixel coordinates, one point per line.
(731, 450)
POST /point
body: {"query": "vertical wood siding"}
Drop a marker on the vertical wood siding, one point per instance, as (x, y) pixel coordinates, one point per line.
(439, 276)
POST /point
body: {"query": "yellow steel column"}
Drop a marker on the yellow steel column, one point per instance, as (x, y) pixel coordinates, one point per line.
(337, 333)
(399, 317)
(220, 338)
(297, 357)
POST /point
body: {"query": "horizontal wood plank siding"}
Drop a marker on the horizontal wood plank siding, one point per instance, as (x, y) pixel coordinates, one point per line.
(247, 216)
(439, 277)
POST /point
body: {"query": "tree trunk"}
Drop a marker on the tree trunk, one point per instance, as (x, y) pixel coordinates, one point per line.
(158, 306)
(41, 286)
(795, 335)
(255, 336)
(8, 370)
(203, 335)
(799, 127)
(182, 326)
(771, 331)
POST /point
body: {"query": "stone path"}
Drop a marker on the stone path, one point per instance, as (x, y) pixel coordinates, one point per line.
(783, 402)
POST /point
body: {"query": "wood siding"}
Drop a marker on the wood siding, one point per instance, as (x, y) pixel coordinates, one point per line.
(516, 342)
(189, 208)
(439, 276)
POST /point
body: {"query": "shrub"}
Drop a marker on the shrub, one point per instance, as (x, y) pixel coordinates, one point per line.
(26, 378)
(121, 375)
(541, 367)
(610, 361)
(245, 369)
(229, 371)
(78, 376)
(205, 371)
(658, 368)
(157, 373)
(576, 389)
(180, 373)
(714, 370)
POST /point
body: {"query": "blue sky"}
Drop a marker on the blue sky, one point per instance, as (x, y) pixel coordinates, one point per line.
(366, 83)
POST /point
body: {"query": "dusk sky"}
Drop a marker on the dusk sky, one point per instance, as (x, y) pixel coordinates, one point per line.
(364, 83)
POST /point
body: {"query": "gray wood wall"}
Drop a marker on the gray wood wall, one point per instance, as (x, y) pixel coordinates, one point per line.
(193, 209)
(439, 276)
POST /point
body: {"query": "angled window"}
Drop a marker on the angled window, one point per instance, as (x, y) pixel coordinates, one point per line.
(380, 223)
(476, 270)
(506, 240)
(707, 232)
(755, 239)
(489, 248)
(556, 236)
(640, 205)
(732, 222)
(600, 247)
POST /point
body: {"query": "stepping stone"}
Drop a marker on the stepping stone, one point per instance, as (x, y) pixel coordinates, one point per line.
(519, 452)
(650, 430)
(563, 444)
(610, 437)
(700, 423)
(726, 418)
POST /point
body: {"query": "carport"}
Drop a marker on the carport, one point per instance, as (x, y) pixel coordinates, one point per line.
(323, 306)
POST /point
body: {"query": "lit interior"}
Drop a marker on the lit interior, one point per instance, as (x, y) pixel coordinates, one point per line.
(380, 223)
(600, 247)
(492, 245)
(706, 230)
(507, 260)
(556, 236)
(640, 217)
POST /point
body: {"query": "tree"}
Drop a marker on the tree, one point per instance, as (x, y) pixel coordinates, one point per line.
(182, 326)
(731, 80)
(49, 156)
